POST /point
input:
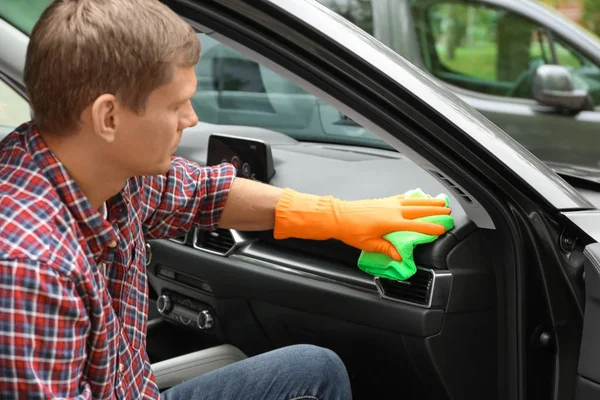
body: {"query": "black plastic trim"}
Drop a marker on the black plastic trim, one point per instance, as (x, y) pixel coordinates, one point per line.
(587, 390)
(589, 357)
(230, 278)
(296, 260)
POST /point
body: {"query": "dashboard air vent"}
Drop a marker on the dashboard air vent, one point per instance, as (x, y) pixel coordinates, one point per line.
(416, 289)
(455, 188)
(220, 241)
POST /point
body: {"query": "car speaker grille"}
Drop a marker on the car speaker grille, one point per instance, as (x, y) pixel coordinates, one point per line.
(416, 289)
(220, 241)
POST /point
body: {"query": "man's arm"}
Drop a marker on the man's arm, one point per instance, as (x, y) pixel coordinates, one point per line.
(211, 197)
(188, 195)
(361, 224)
(250, 206)
(43, 333)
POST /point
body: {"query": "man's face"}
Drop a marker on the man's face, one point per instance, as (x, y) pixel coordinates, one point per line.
(145, 143)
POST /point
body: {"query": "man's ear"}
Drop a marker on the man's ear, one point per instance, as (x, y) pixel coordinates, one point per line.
(104, 113)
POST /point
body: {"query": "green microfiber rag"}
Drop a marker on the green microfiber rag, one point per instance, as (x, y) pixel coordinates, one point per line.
(383, 266)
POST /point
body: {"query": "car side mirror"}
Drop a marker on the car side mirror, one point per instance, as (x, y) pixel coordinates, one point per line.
(553, 86)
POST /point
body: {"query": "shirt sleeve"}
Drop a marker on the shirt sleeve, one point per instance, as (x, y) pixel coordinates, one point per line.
(43, 331)
(188, 195)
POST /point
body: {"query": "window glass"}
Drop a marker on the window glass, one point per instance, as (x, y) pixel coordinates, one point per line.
(484, 49)
(464, 39)
(14, 109)
(478, 47)
(493, 51)
(235, 90)
(23, 14)
(566, 56)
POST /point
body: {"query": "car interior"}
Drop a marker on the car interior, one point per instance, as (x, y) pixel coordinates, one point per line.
(259, 293)
(219, 297)
(227, 295)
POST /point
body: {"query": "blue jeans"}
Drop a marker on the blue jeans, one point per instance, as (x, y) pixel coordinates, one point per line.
(290, 373)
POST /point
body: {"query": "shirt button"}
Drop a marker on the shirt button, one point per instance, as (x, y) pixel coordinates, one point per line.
(112, 244)
(121, 367)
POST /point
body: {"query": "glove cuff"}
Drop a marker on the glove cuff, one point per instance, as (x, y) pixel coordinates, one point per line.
(304, 216)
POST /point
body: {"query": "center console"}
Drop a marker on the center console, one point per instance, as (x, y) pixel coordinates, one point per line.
(185, 311)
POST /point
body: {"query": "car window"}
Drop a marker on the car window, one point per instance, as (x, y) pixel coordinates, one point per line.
(481, 48)
(23, 14)
(472, 41)
(14, 109)
(235, 90)
(490, 50)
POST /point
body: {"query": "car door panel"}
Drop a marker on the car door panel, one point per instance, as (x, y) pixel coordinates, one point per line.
(588, 384)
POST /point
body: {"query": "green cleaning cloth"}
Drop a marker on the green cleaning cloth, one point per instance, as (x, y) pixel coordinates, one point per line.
(383, 266)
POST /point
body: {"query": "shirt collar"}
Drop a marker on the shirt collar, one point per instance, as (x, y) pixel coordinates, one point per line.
(97, 231)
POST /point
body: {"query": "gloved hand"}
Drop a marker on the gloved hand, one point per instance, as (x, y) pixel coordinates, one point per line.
(361, 224)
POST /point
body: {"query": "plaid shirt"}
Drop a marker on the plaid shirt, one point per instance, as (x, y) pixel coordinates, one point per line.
(73, 285)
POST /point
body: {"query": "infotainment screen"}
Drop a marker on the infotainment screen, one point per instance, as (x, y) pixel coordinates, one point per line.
(252, 158)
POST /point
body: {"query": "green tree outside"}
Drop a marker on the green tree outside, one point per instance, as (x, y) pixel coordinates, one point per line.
(591, 15)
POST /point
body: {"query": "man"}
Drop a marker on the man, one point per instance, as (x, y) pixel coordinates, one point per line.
(110, 83)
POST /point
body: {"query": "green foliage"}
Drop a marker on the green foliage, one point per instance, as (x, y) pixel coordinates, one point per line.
(591, 15)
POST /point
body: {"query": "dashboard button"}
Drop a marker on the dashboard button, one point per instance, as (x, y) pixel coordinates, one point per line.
(205, 320)
(164, 304)
(188, 304)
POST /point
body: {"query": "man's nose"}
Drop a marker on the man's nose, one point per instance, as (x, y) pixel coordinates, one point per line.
(190, 118)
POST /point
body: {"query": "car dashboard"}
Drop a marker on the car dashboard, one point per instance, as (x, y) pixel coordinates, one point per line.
(250, 290)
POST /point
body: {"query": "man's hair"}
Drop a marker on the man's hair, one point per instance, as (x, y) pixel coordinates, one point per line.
(81, 49)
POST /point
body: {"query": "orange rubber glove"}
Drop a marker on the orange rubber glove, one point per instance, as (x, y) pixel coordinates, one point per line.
(361, 224)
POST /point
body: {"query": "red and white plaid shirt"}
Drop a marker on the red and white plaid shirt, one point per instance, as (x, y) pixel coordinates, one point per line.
(73, 285)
